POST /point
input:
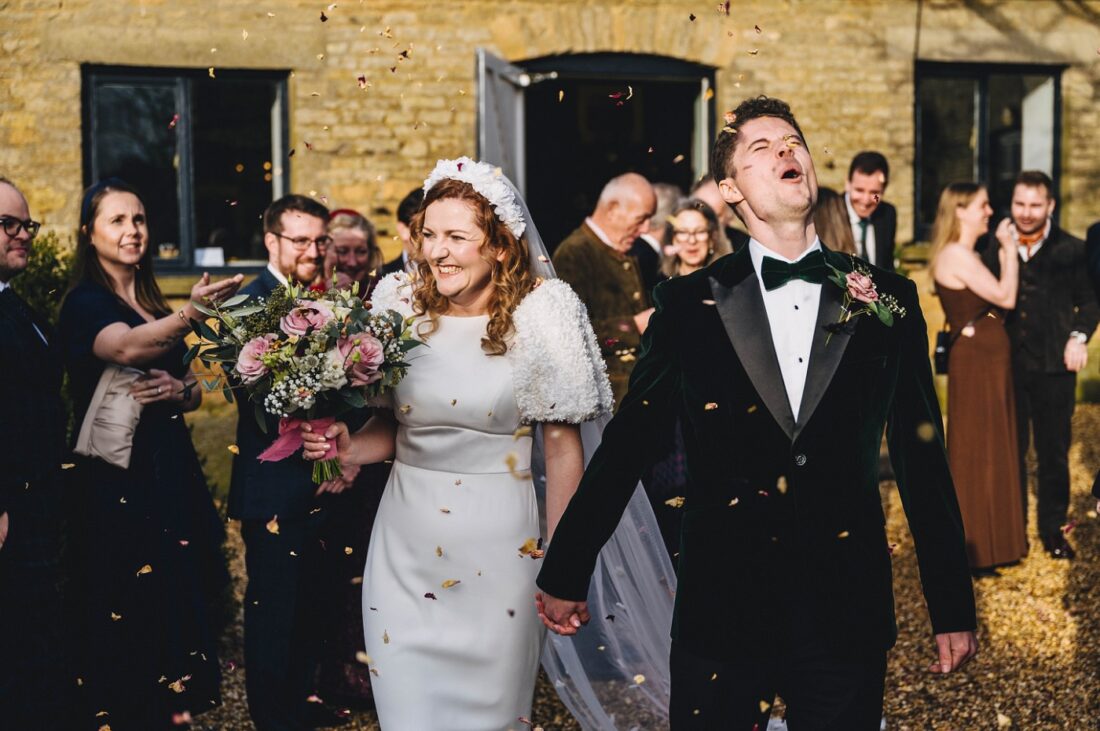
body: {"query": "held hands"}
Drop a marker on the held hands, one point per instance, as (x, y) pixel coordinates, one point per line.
(157, 385)
(561, 615)
(1076, 355)
(1005, 234)
(204, 291)
(337, 485)
(956, 649)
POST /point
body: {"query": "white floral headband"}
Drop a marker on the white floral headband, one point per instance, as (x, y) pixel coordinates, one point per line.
(487, 180)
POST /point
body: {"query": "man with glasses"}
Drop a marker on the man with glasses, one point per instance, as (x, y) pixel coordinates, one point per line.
(32, 450)
(281, 632)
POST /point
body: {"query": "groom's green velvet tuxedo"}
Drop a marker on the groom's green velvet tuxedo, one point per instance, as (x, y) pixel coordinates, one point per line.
(778, 512)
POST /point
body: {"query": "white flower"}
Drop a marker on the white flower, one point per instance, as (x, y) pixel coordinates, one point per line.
(332, 374)
(487, 180)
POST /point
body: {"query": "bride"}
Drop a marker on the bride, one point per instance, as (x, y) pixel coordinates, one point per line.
(450, 576)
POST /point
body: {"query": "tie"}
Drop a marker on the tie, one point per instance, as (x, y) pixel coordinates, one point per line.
(15, 303)
(863, 224)
(811, 268)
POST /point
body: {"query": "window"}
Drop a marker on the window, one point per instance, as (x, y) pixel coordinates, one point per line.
(984, 123)
(208, 154)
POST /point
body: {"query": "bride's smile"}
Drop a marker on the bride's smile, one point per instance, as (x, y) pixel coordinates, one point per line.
(454, 246)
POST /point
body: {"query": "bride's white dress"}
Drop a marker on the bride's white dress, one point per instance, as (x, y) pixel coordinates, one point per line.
(448, 597)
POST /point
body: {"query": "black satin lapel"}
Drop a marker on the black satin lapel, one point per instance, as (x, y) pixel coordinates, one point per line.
(741, 308)
(825, 351)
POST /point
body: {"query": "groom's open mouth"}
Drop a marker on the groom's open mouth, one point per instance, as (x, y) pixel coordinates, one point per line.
(790, 172)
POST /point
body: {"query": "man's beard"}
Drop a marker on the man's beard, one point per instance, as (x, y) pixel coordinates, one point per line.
(1028, 231)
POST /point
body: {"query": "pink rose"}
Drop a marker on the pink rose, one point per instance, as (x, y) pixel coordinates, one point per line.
(363, 358)
(861, 288)
(250, 363)
(307, 316)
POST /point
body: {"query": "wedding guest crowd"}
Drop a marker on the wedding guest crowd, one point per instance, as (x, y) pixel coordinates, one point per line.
(874, 222)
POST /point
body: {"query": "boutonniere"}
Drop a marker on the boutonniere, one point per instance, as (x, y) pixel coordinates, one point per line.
(861, 297)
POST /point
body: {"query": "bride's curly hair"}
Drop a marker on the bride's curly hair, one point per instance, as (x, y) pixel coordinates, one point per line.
(511, 277)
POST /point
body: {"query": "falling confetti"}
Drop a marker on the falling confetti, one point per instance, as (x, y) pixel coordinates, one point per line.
(273, 526)
(439, 551)
(146, 569)
(561, 94)
(691, 18)
(675, 502)
(363, 657)
(781, 485)
(234, 449)
(244, 35)
(734, 501)
(385, 637)
(754, 51)
(639, 679)
(347, 550)
(843, 534)
(710, 406)
(447, 584)
(757, 29)
(210, 72)
(724, 8)
(324, 18)
(429, 595)
(174, 122)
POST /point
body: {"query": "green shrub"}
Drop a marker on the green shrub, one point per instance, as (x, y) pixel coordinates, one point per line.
(46, 279)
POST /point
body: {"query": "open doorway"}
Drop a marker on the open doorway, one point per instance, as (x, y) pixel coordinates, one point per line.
(578, 120)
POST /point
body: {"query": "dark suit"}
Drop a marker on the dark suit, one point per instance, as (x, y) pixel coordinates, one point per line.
(649, 263)
(884, 220)
(393, 265)
(1092, 254)
(281, 622)
(784, 561)
(34, 679)
(1055, 298)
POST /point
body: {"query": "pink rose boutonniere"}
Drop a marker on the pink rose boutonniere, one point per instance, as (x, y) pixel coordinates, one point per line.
(861, 297)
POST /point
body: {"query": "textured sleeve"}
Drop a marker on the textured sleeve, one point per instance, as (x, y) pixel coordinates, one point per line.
(558, 372)
(393, 292)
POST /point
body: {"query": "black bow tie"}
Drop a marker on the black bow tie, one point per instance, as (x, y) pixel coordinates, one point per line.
(810, 268)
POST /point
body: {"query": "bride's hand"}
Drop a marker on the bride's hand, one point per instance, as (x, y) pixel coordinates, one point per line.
(315, 446)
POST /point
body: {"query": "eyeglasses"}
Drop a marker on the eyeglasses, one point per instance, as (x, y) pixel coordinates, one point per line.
(301, 243)
(683, 235)
(12, 226)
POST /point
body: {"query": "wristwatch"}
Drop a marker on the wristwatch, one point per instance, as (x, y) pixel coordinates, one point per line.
(1079, 336)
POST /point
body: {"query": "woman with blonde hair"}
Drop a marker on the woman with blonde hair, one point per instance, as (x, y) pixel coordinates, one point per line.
(353, 255)
(981, 411)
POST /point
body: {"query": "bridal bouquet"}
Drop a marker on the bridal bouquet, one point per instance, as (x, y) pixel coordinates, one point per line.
(303, 356)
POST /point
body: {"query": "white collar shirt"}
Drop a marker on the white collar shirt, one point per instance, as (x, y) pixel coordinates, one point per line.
(278, 275)
(792, 317)
(599, 233)
(857, 231)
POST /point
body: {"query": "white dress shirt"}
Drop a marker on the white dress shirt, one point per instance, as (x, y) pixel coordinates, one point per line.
(792, 315)
(857, 231)
(5, 285)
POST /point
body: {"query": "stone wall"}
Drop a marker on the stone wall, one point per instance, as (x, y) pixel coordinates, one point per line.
(846, 66)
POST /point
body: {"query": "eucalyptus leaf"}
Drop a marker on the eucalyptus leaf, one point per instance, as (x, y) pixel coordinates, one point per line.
(235, 300)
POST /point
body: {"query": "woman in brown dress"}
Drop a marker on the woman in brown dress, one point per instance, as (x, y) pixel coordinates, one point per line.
(981, 421)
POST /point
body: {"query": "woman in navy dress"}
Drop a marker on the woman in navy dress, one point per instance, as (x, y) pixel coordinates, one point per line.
(147, 570)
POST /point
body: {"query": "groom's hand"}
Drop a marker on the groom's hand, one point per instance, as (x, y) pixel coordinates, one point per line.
(561, 615)
(956, 648)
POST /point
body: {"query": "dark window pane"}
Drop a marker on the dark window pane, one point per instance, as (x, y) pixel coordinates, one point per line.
(234, 165)
(136, 141)
(948, 129)
(1021, 131)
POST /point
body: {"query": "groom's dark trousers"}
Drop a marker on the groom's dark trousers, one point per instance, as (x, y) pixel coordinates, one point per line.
(280, 524)
(784, 578)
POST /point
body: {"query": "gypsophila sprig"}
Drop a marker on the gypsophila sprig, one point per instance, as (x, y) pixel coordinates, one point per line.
(302, 355)
(859, 287)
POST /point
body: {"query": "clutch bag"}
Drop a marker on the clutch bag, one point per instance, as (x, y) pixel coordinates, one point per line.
(107, 432)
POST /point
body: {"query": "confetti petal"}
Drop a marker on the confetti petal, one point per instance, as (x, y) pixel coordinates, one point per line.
(451, 582)
(273, 526)
(146, 569)
(675, 502)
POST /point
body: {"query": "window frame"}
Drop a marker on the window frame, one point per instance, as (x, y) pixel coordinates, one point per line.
(94, 75)
(981, 72)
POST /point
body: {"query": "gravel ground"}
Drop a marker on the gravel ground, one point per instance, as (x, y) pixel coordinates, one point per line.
(1039, 665)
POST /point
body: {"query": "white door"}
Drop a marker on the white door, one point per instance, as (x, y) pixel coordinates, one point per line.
(500, 115)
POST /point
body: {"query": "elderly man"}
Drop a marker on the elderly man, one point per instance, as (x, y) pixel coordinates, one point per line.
(33, 693)
(596, 262)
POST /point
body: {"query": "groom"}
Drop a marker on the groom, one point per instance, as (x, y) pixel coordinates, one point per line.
(785, 574)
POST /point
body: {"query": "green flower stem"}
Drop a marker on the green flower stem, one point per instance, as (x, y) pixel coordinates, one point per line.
(325, 470)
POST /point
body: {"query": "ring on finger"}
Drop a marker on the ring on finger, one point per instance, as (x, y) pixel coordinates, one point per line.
(159, 389)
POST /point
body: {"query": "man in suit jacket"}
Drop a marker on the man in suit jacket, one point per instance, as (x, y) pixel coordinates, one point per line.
(1056, 314)
(595, 260)
(281, 514)
(874, 221)
(406, 209)
(784, 579)
(34, 677)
